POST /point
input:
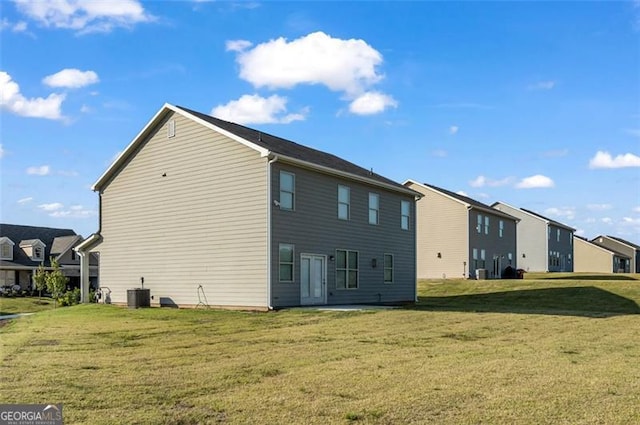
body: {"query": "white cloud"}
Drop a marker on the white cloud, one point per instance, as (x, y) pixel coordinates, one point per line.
(237, 45)
(55, 206)
(71, 78)
(636, 209)
(12, 100)
(542, 85)
(604, 159)
(25, 200)
(453, 129)
(43, 170)
(19, 26)
(254, 109)
(85, 16)
(75, 211)
(606, 220)
(564, 212)
(482, 181)
(599, 207)
(462, 193)
(371, 103)
(537, 181)
(2, 151)
(628, 221)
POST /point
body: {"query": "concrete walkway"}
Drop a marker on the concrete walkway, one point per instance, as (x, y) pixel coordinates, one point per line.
(14, 316)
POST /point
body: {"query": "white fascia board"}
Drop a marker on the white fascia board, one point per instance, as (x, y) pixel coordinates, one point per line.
(438, 192)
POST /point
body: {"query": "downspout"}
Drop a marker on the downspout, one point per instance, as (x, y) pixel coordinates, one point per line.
(269, 247)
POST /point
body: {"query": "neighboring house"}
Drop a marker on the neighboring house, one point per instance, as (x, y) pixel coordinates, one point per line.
(622, 246)
(24, 248)
(200, 210)
(590, 257)
(458, 235)
(544, 245)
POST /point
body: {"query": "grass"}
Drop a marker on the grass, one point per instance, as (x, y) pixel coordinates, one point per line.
(470, 352)
(24, 305)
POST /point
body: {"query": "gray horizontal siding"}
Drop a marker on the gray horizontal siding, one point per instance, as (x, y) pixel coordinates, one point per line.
(314, 228)
(198, 225)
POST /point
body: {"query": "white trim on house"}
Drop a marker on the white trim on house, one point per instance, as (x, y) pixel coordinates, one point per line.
(4, 241)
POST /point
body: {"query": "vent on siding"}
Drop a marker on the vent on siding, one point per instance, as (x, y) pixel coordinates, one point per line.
(171, 128)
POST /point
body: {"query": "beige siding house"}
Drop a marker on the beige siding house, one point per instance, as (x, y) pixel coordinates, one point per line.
(457, 236)
(626, 248)
(592, 258)
(200, 210)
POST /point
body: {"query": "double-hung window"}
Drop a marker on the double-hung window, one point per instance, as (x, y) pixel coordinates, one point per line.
(486, 224)
(286, 262)
(405, 214)
(479, 225)
(346, 269)
(344, 202)
(501, 228)
(388, 268)
(374, 208)
(287, 190)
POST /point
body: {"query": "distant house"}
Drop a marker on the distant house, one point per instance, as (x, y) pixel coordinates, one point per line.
(201, 210)
(24, 248)
(458, 235)
(622, 246)
(593, 258)
(544, 245)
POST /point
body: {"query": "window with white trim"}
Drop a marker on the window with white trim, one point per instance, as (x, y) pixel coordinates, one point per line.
(405, 214)
(501, 228)
(6, 249)
(486, 224)
(374, 208)
(38, 253)
(287, 190)
(479, 225)
(475, 259)
(483, 262)
(285, 262)
(388, 268)
(346, 269)
(344, 202)
(557, 235)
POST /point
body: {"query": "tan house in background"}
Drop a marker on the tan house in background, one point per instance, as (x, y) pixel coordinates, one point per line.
(457, 235)
(593, 258)
(625, 247)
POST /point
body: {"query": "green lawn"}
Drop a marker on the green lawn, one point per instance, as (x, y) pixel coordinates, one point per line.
(547, 351)
(15, 305)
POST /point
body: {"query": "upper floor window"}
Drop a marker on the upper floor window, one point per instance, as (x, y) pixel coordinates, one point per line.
(479, 225)
(388, 268)
(286, 262)
(344, 202)
(6, 248)
(570, 238)
(374, 208)
(38, 253)
(557, 235)
(287, 190)
(346, 269)
(549, 232)
(501, 228)
(405, 214)
(486, 225)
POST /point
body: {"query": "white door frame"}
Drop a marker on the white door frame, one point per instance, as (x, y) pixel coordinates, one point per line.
(323, 284)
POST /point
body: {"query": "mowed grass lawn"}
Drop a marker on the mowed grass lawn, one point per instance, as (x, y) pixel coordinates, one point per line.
(548, 351)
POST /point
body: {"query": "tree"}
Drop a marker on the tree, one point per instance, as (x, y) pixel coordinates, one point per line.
(40, 279)
(56, 281)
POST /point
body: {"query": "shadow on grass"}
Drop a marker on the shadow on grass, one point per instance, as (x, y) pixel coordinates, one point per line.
(590, 277)
(584, 301)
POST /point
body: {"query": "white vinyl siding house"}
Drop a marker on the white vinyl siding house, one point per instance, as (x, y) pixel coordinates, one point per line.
(175, 212)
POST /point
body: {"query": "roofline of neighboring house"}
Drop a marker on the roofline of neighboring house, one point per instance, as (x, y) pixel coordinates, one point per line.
(607, 250)
(88, 243)
(535, 215)
(126, 153)
(625, 243)
(466, 204)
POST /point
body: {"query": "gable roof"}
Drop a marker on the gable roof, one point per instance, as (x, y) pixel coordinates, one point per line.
(62, 244)
(620, 240)
(468, 202)
(548, 220)
(27, 235)
(594, 245)
(265, 144)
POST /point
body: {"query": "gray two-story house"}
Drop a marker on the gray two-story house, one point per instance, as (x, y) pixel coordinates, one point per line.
(544, 245)
(201, 210)
(458, 236)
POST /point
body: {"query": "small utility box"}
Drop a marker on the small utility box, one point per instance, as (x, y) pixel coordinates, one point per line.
(138, 298)
(481, 274)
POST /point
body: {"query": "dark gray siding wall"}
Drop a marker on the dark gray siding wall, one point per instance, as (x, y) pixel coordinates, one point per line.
(497, 249)
(314, 228)
(562, 249)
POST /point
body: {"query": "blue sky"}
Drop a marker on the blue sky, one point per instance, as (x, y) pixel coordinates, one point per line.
(536, 104)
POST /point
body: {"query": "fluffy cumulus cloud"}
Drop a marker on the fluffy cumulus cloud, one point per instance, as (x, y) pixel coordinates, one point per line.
(542, 85)
(2, 151)
(54, 206)
(563, 212)
(533, 182)
(599, 207)
(371, 103)
(85, 16)
(13, 101)
(42, 170)
(346, 66)
(603, 159)
(254, 109)
(58, 210)
(453, 129)
(71, 78)
(19, 26)
(482, 181)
